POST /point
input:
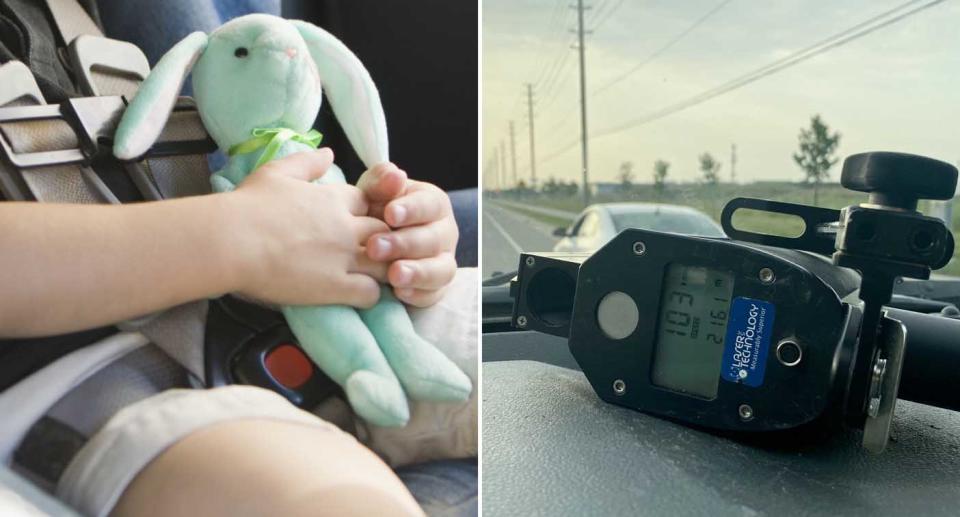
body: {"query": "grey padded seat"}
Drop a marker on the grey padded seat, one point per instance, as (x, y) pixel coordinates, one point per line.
(551, 447)
(15, 488)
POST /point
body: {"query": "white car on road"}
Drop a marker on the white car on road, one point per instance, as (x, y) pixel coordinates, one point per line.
(599, 223)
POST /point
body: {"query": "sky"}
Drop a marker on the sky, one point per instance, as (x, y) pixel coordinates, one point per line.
(897, 89)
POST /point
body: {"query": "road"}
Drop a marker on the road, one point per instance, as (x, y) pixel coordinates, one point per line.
(506, 233)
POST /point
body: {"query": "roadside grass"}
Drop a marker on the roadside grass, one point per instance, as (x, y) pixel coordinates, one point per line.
(710, 199)
(553, 221)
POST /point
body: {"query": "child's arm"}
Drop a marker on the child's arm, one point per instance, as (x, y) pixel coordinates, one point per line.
(277, 238)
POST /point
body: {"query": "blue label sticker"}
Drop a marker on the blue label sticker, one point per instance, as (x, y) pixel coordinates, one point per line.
(747, 341)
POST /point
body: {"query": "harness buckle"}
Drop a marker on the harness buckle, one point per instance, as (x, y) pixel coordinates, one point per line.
(121, 66)
(17, 84)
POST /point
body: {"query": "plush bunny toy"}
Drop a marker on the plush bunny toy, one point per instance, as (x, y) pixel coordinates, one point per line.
(257, 82)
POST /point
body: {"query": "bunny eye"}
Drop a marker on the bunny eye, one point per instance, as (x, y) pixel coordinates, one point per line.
(241, 52)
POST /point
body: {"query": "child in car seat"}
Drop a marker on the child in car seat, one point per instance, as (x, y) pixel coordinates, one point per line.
(101, 264)
(276, 69)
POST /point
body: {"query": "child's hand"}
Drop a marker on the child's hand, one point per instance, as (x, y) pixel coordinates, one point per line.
(424, 238)
(302, 243)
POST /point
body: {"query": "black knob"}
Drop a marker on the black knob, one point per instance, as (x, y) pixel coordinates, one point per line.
(899, 179)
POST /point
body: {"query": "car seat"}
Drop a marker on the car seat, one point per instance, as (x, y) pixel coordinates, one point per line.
(62, 153)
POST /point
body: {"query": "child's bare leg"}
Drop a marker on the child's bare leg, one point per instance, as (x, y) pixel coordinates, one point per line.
(264, 467)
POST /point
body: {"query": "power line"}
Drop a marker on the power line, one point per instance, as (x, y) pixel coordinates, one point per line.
(552, 85)
(561, 124)
(547, 67)
(606, 16)
(550, 69)
(796, 58)
(657, 53)
(569, 114)
(557, 10)
(554, 22)
(598, 10)
(548, 86)
(598, 19)
(558, 31)
(553, 94)
(561, 151)
(822, 46)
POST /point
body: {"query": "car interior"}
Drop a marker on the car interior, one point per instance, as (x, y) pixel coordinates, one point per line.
(433, 131)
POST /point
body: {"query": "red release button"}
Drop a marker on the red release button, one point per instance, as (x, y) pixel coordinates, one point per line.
(289, 366)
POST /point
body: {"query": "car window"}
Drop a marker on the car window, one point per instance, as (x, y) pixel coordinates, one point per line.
(575, 227)
(589, 226)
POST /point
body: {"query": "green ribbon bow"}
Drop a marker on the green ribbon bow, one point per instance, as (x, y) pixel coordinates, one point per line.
(270, 139)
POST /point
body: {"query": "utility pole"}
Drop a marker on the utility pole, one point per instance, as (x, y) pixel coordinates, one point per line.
(583, 104)
(733, 163)
(487, 176)
(503, 164)
(491, 171)
(513, 155)
(496, 167)
(533, 158)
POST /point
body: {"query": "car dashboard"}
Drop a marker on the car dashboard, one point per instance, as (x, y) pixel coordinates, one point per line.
(552, 447)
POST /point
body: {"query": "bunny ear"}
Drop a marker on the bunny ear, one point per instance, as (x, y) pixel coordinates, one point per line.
(351, 92)
(147, 113)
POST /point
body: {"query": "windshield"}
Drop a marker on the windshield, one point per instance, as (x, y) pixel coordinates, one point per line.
(689, 223)
(696, 103)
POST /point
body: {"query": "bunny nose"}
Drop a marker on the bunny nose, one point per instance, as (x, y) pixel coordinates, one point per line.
(290, 52)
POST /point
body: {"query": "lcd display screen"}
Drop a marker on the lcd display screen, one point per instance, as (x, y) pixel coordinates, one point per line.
(694, 307)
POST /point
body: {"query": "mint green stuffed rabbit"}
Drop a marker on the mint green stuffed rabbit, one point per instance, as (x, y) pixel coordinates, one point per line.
(257, 83)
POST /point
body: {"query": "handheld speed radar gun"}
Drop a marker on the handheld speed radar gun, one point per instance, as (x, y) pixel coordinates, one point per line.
(762, 333)
(257, 81)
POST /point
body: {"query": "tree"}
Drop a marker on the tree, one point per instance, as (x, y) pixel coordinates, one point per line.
(816, 156)
(550, 187)
(522, 189)
(710, 168)
(626, 177)
(660, 169)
